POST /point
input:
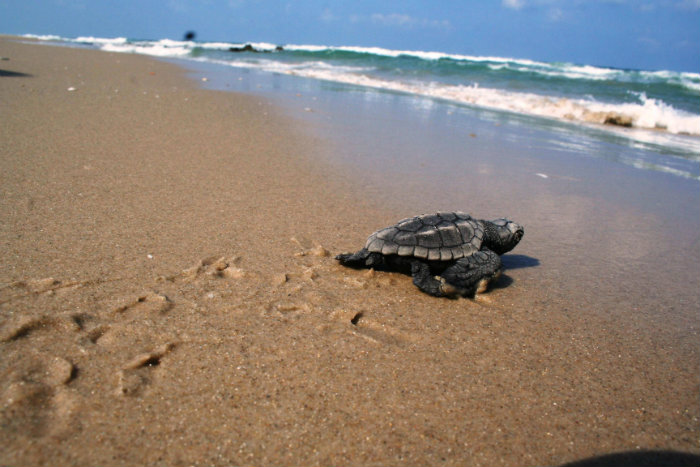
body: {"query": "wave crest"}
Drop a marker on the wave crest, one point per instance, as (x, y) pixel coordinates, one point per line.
(359, 66)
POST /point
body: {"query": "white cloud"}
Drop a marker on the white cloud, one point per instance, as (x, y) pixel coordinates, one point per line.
(184, 6)
(692, 5)
(393, 19)
(555, 14)
(327, 16)
(402, 21)
(649, 43)
(179, 6)
(514, 4)
(557, 10)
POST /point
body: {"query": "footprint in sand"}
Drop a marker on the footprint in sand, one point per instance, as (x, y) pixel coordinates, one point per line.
(19, 327)
(138, 373)
(210, 268)
(308, 247)
(286, 309)
(35, 397)
(29, 287)
(150, 302)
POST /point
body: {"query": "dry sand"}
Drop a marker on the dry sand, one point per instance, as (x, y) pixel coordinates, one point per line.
(167, 298)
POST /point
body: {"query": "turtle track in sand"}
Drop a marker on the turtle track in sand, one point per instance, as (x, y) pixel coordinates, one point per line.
(99, 331)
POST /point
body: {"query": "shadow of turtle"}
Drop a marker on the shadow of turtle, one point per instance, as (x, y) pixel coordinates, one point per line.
(519, 261)
(513, 262)
(13, 74)
(639, 459)
(502, 282)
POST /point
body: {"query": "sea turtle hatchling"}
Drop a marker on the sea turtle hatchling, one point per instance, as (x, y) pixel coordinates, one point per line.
(447, 253)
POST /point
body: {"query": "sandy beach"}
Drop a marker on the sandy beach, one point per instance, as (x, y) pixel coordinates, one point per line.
(168, 293)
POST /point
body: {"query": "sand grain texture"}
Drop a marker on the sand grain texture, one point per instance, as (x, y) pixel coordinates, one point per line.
(168, 297)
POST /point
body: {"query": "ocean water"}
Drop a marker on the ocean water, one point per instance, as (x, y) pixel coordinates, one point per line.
(653, 111)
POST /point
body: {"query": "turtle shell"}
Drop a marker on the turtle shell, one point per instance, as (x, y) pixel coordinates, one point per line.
(444, 236)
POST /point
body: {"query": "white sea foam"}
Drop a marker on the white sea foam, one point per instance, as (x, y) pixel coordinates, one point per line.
(165, 47)
(573, 72)
(564, 70)
(161, 48)
(425, 55)
(306, 48)
(691, 83)
(647, 113)
(99, 41)
(43, 37)
(688, 80)
(217, 45)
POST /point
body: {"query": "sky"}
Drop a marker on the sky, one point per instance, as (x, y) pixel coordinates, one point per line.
(638, 34)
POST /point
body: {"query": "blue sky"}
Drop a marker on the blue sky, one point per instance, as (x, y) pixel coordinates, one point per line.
(646, 34)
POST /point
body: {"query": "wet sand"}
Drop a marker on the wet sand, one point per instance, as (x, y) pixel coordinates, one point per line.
(168, 294)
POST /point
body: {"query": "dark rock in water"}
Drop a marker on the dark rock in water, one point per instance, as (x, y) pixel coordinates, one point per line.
(250, 48)
(618, 120)
(245, 48)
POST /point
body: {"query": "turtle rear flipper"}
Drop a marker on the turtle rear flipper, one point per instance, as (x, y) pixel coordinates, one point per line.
(361, 259)
(473, 274)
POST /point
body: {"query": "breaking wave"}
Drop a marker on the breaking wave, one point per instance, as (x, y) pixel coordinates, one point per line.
(663, 101)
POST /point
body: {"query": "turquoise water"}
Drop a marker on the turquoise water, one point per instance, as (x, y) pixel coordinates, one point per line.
(655, 112)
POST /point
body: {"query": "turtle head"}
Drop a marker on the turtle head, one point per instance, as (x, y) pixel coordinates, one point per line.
(502, 235)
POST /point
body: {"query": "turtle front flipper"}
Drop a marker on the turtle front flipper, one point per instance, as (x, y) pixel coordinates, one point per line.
(361, 259)
(430, 284)
(473, 274)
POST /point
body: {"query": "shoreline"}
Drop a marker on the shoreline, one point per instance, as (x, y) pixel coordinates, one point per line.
(169, 294)
(575, 108)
